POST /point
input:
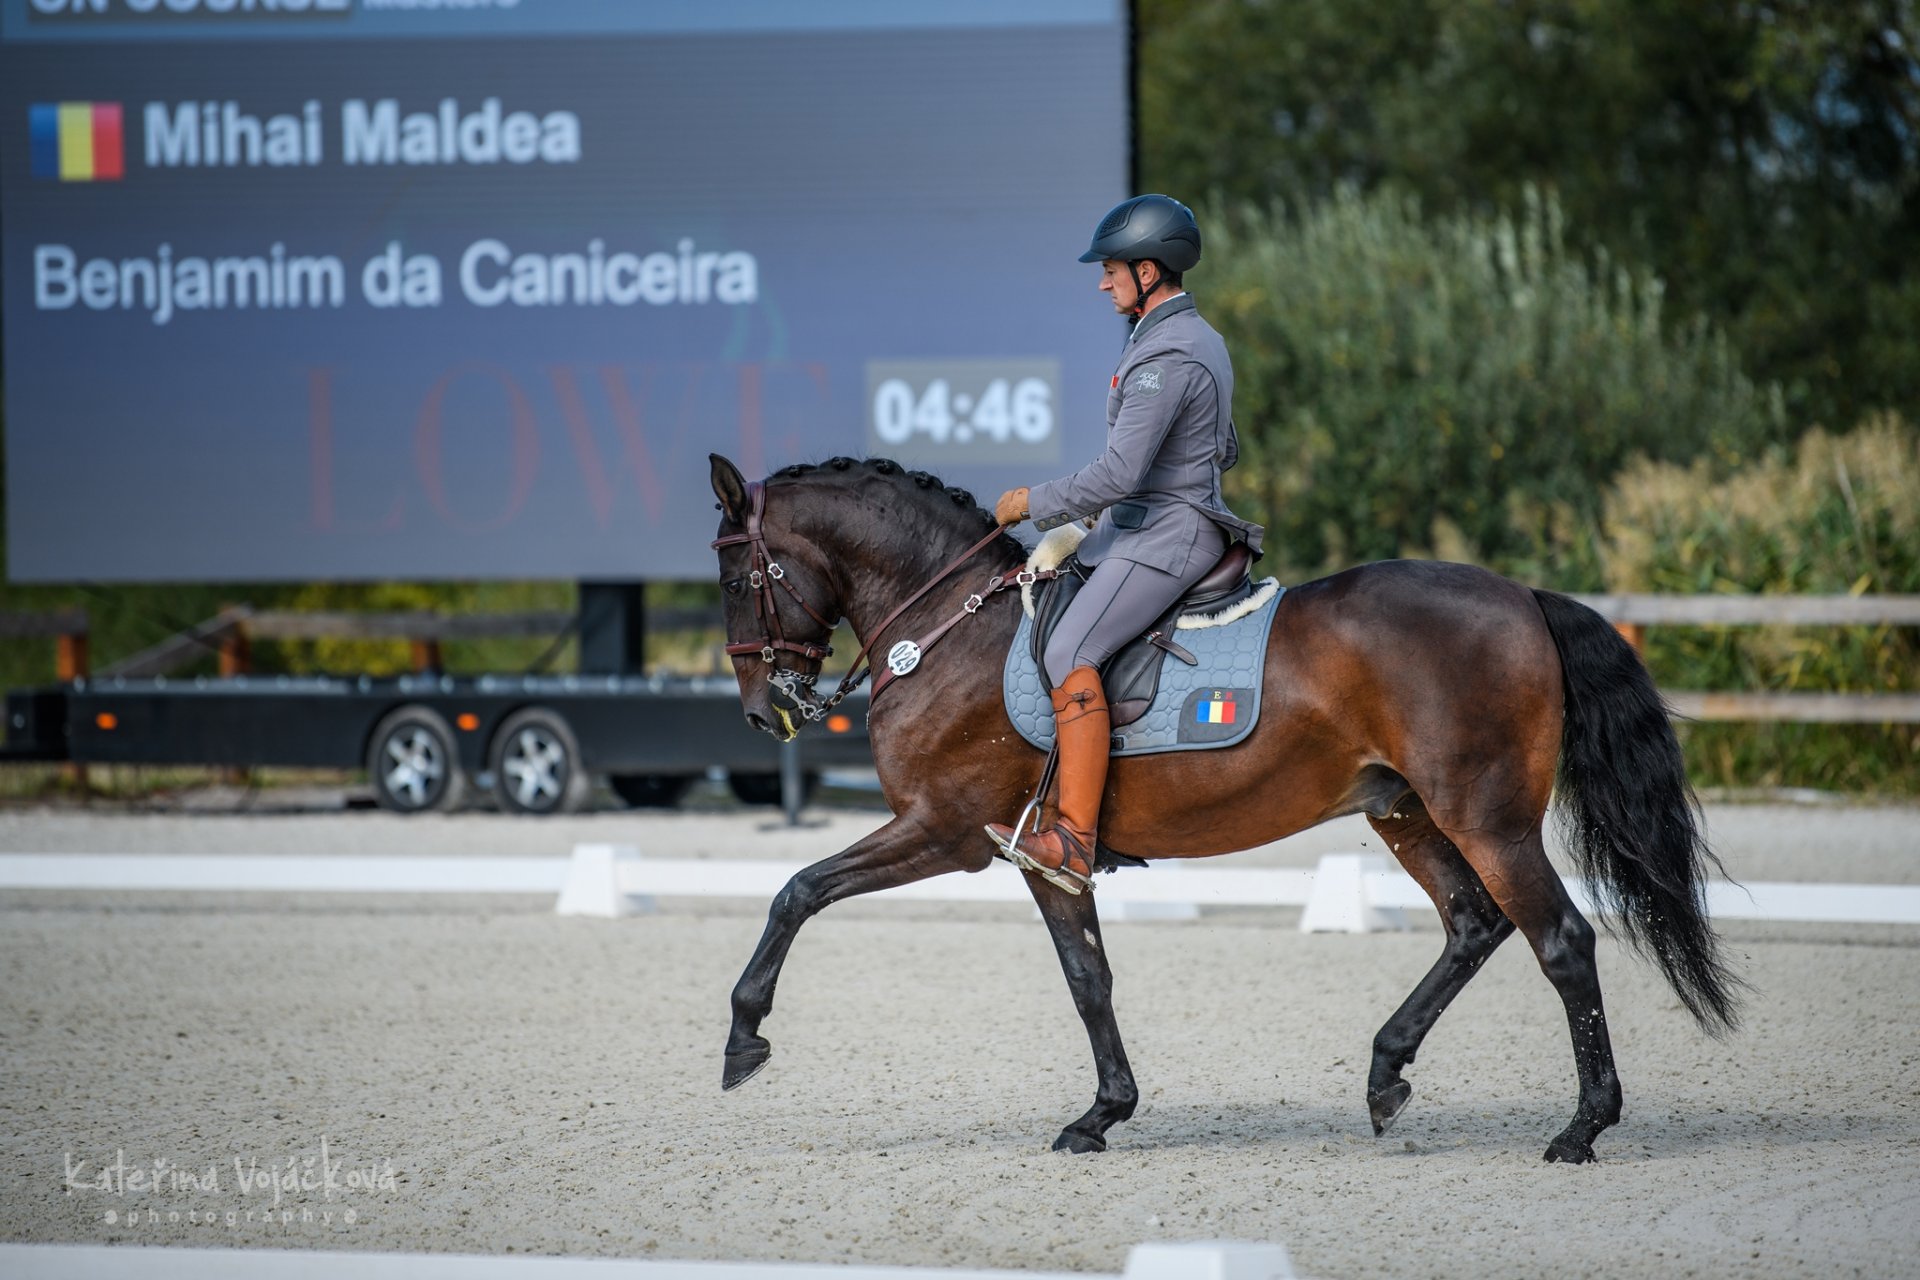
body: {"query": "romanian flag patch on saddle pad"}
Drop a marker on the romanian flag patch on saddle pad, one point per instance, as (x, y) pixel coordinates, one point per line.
(1213, 706)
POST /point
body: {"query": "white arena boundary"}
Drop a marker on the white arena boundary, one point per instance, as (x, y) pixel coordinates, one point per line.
(1198, 1260)
(1345, 893)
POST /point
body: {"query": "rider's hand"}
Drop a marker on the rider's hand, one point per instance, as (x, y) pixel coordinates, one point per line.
(1012, 507)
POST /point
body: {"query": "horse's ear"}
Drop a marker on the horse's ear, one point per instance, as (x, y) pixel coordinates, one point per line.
(730, 487)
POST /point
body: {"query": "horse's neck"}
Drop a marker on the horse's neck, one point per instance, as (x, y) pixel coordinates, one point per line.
(887, 577)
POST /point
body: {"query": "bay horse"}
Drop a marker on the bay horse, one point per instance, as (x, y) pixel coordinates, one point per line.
(1440, 700)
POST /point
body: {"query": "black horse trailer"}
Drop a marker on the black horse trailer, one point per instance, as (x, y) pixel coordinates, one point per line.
(535, 742)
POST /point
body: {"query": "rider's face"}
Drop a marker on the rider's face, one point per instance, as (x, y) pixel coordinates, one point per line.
(1117, 283)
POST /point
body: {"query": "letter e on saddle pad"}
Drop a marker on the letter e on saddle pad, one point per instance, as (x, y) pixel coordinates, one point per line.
(1213, 703)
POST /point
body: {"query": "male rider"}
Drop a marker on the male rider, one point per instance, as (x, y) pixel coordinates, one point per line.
(1162, 523)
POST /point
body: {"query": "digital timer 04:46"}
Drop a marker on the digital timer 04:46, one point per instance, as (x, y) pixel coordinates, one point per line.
(1005, 411)
(971, 410)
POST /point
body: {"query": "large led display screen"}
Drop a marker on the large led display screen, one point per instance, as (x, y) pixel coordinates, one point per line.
(308, 289)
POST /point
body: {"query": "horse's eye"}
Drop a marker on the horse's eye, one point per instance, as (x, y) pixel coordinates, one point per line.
(733, 586)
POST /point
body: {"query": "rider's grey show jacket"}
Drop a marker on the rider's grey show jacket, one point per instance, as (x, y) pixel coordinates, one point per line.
(1169, 437)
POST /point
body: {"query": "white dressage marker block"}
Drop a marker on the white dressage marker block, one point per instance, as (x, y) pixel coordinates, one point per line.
(1209, 1260)
(593, 883)
(1341, 901)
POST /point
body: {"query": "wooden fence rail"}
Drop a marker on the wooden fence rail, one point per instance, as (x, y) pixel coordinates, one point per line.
(177, 651)
(69, 629)
(424, 631)
(1633, 614)
(288, 625)
(1756, 611)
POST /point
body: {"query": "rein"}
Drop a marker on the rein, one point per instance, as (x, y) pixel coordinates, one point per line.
(901, 659)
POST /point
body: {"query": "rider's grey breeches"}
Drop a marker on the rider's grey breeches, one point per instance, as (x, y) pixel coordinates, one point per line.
(1119, 602)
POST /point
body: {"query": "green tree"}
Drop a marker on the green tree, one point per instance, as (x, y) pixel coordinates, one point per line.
(1762, 158)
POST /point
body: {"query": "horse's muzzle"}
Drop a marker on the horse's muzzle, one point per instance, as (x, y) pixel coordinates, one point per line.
(785, 731)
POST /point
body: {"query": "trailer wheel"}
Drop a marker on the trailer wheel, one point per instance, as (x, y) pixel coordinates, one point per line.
(536, 764)
(650, 790)
(412, 763)
(764, 788)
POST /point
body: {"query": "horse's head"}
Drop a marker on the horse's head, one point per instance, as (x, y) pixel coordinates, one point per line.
(778, 599)
(847, 538)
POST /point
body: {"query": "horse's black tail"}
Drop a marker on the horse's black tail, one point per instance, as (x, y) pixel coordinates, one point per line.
(1628, 813)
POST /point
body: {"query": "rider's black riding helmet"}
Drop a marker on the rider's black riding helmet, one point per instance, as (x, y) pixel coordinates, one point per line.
(1147, 227)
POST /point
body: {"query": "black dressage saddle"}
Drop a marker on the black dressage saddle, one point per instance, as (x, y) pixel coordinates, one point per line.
(1132, 676)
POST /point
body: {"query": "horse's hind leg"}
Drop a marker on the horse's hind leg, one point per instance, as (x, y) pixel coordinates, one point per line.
(1075, 926)
(1474, 928)
(1530, 893)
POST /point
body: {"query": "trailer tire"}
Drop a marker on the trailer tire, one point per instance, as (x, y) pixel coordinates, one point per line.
(412, 762)
(536, 764)
(764, 788)
(650, 790)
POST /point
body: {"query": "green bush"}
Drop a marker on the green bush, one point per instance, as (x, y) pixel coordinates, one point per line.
(1461, 386)
(1840, 515)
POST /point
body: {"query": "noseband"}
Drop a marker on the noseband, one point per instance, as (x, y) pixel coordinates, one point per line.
(766, 571)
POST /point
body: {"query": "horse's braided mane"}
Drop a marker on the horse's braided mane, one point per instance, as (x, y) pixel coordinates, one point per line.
(961, 498)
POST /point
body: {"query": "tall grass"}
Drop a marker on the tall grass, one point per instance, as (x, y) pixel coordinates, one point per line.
(1836, 515)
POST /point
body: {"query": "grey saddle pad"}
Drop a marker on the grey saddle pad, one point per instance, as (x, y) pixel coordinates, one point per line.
(1214, 704)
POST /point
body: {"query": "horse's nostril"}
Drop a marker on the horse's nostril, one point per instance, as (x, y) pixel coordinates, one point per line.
(757, 721)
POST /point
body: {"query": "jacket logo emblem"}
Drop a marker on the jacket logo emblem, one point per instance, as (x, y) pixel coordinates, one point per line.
(1147, 381)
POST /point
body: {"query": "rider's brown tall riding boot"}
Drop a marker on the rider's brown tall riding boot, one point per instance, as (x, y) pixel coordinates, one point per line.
(1063, 853)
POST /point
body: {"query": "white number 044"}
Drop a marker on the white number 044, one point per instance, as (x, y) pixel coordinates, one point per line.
(1022, 411)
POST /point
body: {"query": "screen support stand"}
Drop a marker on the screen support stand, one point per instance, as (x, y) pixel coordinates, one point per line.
(613, 628)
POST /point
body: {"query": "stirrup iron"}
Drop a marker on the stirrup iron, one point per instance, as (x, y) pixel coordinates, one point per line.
(1062, 877)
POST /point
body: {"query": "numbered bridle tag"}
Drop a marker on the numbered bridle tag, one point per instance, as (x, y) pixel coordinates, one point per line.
(903, 657)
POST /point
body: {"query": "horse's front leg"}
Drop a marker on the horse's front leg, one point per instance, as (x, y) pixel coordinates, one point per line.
(1075, 925)
(899, 853)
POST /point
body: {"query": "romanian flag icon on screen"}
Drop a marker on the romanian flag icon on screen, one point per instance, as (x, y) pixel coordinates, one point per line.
(77, 141)
(1215, 710)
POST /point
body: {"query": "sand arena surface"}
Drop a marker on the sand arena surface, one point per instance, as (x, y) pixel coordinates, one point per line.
(552, 1085)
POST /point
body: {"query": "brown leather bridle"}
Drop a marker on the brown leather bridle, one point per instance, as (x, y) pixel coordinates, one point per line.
(766, 571)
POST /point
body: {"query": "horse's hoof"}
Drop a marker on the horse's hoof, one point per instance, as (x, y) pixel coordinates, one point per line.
(1386, 1105)
(744, 1065)
(1563, 1150)
(1079, 1144)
